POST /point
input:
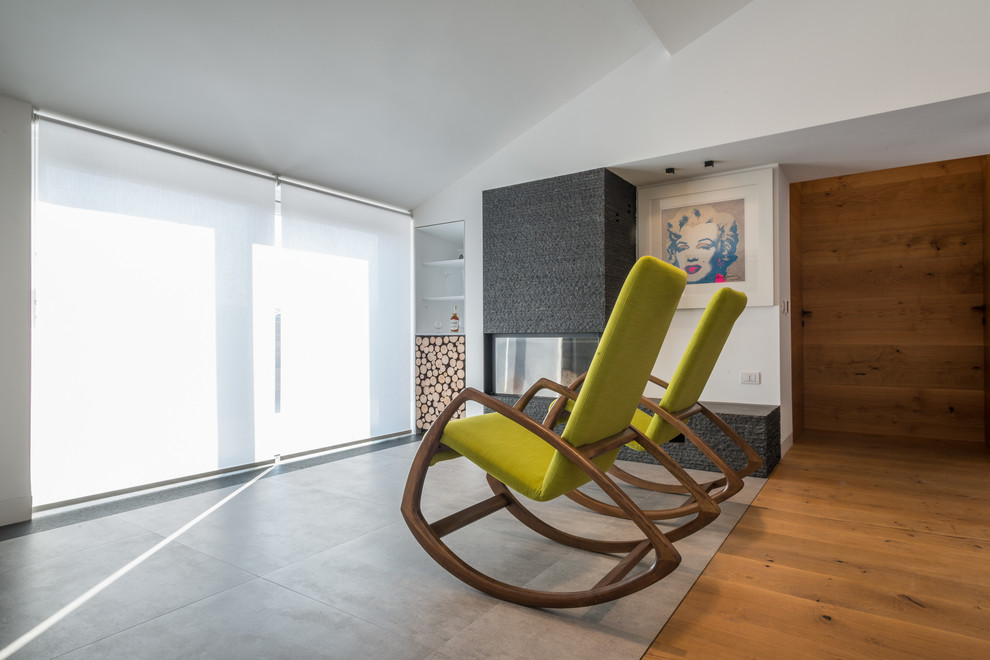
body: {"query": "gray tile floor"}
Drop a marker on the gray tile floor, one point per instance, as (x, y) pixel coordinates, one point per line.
(317, 563)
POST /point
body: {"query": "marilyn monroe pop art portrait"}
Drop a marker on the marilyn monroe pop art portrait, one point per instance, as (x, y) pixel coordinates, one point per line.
(706, 241)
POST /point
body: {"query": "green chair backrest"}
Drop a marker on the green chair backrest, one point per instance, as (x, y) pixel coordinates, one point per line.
(621, 366)
(698, 361)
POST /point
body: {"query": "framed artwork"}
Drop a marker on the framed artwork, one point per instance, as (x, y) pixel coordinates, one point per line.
(718, 229)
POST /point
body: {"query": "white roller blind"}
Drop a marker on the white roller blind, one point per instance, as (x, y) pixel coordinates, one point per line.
(346, 315)
(142, 344)
(159, 287)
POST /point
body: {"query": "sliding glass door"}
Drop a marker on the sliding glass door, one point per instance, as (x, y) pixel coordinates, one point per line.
(177, 333)
(312, 389)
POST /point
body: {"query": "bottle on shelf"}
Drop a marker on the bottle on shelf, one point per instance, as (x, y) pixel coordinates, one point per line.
(455, 323)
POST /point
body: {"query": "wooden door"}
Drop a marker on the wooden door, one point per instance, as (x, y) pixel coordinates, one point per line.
(892, 295)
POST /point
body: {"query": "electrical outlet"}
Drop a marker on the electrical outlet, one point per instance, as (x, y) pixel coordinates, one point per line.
(750, 378)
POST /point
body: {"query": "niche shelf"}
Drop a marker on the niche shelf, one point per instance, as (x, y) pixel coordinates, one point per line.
(439, 285)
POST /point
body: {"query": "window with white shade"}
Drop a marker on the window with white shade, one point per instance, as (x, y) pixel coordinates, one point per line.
(179, 330)
(339, 283)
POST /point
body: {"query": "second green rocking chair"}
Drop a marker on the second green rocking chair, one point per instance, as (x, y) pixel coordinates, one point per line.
(666, 419)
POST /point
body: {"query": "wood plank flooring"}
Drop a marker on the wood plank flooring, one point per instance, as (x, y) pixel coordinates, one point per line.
(857, 547)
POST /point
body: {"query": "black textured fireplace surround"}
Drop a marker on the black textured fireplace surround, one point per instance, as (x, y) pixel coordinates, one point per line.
(555, 254)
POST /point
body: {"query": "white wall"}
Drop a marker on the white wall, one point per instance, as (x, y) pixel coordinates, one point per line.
(781, 246)
(774, 66)
(15, 310)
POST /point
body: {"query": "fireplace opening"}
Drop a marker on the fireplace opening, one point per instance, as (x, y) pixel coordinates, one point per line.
(513, 362)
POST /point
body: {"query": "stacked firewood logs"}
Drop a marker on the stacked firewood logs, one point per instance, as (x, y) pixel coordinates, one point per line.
(439, 376)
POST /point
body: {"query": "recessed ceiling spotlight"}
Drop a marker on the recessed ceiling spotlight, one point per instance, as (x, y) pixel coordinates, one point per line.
(670, 170)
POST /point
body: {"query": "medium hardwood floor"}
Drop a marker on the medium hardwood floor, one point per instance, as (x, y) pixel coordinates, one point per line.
(857, 547)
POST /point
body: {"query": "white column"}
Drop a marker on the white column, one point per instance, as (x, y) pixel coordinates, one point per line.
(15, 311)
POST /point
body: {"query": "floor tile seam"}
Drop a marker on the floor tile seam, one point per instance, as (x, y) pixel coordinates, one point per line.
(148, 619)
(338, 544)
(398, 633)
(337, 608)
(221, 560)
(195, 522)
(249, 574)
(151, 530)
(334, 546)
(160, 615)
(90, 548)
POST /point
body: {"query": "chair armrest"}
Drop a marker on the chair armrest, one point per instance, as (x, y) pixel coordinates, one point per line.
(658, 381)
(564, 394)
(576, 383)
(540, 385)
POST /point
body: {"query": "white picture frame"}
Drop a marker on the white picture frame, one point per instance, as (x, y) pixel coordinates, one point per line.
(727, 219)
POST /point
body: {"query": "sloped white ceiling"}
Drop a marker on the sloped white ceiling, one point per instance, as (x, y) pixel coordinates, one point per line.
(679, 22)
(393, 100)
(387, 99)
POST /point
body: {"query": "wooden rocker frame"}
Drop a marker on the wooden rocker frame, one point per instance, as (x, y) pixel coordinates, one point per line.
(726, 487)
(618, 582)
(753, 460)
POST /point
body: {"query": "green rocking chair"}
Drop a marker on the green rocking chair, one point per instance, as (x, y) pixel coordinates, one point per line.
(525, 458)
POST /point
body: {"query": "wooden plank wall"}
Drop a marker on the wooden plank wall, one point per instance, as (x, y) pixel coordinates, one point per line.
(893, 301)
(986, 291)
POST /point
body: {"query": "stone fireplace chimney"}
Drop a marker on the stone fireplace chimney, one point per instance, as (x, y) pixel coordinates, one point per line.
(556, 252)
